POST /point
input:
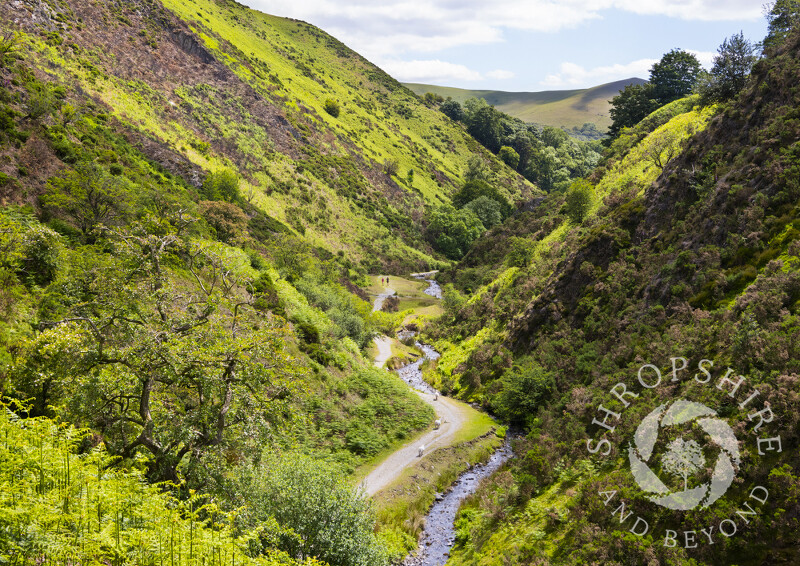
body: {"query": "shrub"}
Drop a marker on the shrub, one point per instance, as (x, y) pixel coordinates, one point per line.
(331, 107)
(323, 515)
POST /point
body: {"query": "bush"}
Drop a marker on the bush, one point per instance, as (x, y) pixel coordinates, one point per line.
(331, 107)
(323, 516)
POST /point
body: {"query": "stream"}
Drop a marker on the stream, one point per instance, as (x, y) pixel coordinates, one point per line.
(438, 534)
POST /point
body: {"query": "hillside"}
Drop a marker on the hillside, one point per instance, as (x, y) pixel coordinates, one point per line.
(558, 108)
(202, 86)
(688, 252)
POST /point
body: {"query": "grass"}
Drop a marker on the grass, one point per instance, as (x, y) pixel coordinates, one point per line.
(412, 296)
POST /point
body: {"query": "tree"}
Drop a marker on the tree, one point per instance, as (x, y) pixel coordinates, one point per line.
(161, 365)
(674, 76)
(453, 110)
(452, 231)
(322, 515)
(474, 189)
(509, 156)
(487, 210)
(630, 106)
(483, 123)
(782, 17)
(525, 386)
(8, 44)
(476, 169)
(662, 145)
(520, 252)
(86, 197)
(554, 137)
(432, 99)
(227, 219)
(222, 185)
(579, 200)
(732, 65)
(547, 170)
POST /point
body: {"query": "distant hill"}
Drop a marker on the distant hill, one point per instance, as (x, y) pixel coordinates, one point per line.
(567, 108)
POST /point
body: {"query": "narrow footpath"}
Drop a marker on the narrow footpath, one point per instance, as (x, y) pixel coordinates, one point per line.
(453, 414)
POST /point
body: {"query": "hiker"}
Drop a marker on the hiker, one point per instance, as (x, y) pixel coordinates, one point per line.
(421, 451)
(436, 424)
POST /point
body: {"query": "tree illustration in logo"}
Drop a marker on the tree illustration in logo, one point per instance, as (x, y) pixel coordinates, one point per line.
(684, 458)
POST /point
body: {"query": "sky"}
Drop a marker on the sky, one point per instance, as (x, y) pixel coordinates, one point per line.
(524, 45)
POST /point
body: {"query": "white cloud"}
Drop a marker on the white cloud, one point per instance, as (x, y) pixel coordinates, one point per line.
(706, 58)
(574, 76)
(571, 75)
(429, 71)
(392, 27)
(500, 74)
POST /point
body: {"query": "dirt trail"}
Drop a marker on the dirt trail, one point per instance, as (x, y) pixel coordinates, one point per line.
(384, 344)
(376, 306)
(453, 414)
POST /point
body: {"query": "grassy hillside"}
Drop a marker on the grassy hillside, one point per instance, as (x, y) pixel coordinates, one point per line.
(201, 86)
(689, 249)
(558, 108)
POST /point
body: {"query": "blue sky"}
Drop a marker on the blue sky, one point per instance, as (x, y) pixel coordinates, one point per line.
(524, 45)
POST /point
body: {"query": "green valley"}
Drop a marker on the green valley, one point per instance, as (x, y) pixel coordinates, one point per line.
(215, 350)
(569, 109)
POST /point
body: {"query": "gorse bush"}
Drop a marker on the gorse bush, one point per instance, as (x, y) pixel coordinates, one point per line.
(59, 506)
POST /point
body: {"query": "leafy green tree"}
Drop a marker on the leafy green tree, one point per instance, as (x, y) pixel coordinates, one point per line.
(782, 17)
(483, 123)
(453, 110)
(732, 65)
(8, 44)
(487, 210)
(674, 76)
(432, 99)
(222, 185)
(630, 106)
(476, 170)
(323, 516)
(547, 169)
(520, 252)
(579, 200)
(509, 156)
(452, 231)
(524, 387)
(554, 137)
(477, 188)
(86, 197)
(159, 365)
